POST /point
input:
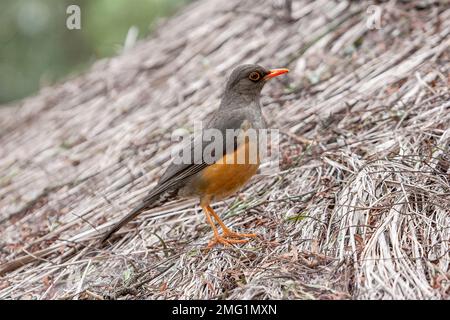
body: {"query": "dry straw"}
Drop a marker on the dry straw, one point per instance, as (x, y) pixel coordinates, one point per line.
(359, 210)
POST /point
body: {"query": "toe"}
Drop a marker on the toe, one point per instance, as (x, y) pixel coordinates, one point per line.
(224, 241)
(239, 235)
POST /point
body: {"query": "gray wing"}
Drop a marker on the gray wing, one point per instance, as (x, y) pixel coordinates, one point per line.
(175, 174)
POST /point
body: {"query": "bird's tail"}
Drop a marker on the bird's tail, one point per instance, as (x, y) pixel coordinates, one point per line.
(133, 214)
(155, 198)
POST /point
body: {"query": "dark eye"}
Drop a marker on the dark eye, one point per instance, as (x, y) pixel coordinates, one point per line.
(254, 76)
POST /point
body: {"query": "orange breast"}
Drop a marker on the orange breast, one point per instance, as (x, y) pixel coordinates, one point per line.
(230, 173)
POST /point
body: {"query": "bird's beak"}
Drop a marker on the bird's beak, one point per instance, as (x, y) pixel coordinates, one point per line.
(275, 73)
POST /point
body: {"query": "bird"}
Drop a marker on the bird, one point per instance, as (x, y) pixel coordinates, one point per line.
(223, 174)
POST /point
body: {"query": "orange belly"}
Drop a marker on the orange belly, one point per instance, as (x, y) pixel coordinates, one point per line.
(227, 175)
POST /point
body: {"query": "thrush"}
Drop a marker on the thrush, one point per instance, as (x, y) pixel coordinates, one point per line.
(226, 171)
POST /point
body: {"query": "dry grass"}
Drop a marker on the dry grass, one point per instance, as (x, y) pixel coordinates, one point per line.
(362, 211)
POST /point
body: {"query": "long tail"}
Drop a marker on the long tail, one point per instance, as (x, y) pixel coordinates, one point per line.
(155, 198)
(133, 214)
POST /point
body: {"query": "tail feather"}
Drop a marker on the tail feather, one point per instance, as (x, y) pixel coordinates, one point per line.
(133, 214)
(153, 200)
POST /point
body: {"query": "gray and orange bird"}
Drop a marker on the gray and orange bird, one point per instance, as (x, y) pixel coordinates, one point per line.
(209, 181)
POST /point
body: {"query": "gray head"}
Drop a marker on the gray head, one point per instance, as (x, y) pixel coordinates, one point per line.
(249, 79)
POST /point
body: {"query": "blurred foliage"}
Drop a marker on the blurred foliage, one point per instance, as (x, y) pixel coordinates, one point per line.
(37, 49)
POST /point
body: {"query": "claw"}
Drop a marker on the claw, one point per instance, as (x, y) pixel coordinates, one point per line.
(224, 241)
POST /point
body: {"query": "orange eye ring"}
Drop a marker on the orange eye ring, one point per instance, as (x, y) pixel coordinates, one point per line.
(254, 76)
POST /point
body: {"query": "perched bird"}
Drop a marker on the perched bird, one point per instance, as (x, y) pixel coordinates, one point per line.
(213, 180)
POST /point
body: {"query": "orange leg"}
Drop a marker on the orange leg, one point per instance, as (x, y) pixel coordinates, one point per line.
(217, 237)
(227, 232)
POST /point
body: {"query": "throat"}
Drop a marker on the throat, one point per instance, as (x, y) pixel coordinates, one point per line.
(239, 100)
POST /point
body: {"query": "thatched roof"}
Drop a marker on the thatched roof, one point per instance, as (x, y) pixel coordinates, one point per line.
(360, 208)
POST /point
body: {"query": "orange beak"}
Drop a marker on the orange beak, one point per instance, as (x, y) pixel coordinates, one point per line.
(275, 73)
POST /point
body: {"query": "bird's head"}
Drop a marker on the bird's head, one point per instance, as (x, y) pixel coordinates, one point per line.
(249, 79)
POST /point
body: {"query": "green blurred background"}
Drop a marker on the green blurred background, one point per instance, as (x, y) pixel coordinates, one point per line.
(36, 48)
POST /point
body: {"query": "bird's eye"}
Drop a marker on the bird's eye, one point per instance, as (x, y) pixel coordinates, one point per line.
(254, 76)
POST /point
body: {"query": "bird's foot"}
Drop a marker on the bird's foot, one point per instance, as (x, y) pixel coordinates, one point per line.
(226, 241)
(222, 240)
